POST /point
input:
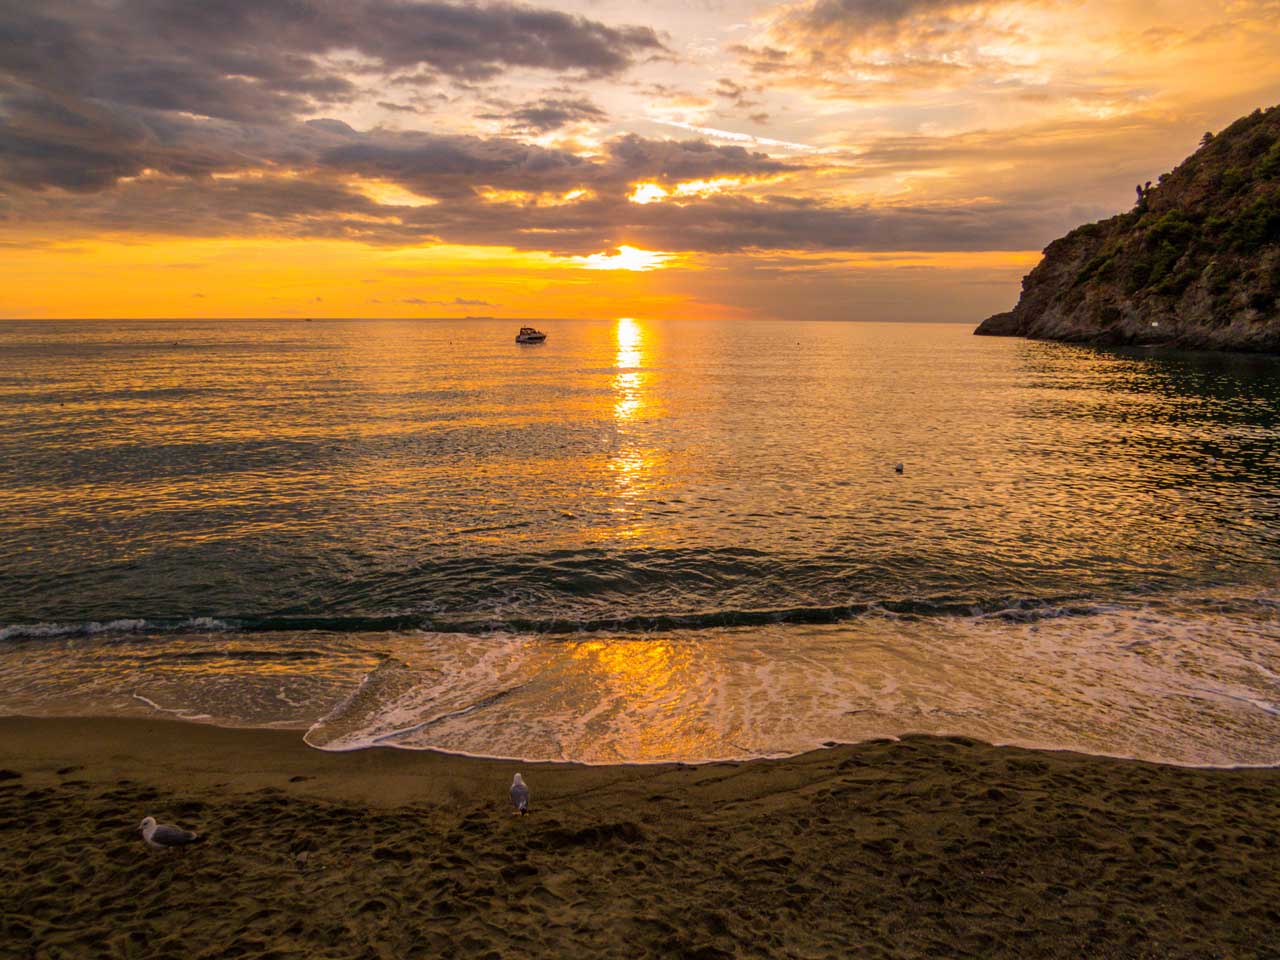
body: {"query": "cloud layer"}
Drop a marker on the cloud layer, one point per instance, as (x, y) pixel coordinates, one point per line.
(404, 122)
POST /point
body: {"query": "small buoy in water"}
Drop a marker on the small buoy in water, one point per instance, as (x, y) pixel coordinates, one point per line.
(897, 468)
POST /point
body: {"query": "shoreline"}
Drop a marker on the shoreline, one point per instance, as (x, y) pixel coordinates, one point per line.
(1125, 690)
(892, 848)
(301, 731)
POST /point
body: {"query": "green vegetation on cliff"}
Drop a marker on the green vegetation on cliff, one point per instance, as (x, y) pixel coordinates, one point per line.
(1196, 263)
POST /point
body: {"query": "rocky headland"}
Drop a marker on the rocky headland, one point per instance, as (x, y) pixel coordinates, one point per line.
(1195, 264)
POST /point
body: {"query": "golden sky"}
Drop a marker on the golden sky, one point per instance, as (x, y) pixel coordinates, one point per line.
(826, 159)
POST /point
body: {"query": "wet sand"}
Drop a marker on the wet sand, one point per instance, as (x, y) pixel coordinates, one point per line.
(925, 847)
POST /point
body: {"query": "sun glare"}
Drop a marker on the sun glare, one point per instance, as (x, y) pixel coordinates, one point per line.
(628, 336)
(689, 189)
(705, 188)
(626, 258)
(647, 193)
(631, 461)
(628, 380)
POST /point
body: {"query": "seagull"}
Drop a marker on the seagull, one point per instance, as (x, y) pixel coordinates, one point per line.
(519, 795)
(162, 836)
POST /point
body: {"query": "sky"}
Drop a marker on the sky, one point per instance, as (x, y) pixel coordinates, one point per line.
(687, 159)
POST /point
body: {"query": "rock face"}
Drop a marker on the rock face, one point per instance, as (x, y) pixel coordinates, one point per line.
(1195, 264)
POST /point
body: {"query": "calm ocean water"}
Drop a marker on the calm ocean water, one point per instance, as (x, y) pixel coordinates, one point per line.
(641, 541)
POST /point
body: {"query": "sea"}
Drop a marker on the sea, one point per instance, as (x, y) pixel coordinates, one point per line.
(641, 541)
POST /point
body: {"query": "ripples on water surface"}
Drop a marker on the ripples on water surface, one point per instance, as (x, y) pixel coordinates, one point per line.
(641, 541)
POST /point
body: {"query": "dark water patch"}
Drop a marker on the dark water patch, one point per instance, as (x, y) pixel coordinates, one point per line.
(437, 446)
(468, 585)
(401, 470)
(99, 398)
(1013, 610)
(124, 626)
(247, 656)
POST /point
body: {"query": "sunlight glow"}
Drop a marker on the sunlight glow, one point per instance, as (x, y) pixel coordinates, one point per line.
(649, 678)
(656, 193)
(526, 198)
(647, 193)
(627, 258)
(632, 462)
(391, 194)
(705, 188)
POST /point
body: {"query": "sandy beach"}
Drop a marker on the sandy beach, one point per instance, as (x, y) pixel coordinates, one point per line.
(924, 847)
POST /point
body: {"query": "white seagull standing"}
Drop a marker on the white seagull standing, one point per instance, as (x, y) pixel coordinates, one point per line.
(162, 836)
(519, 795)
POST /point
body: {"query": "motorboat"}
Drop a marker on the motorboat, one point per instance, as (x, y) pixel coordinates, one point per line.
(530, 335)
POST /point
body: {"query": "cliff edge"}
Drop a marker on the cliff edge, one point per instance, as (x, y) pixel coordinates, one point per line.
(1195, 264)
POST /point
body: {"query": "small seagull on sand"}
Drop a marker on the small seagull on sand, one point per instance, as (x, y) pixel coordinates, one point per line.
(519, 795)
(162, 836)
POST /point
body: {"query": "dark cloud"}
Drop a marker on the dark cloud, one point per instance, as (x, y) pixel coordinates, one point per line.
(844, 16)
(183, 119)
(399, 107)
(250, 60)
(735, 93)
(637, 158)
(43, 143)
(675, 96)
(452, 167)
(860, 49)
(294, 208)
(549, 113)
(724, 224)
(49, 139)
(455, 166)
(91, 93)
(763, 59)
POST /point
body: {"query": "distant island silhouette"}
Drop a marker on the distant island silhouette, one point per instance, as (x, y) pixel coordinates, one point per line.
(1195, 264)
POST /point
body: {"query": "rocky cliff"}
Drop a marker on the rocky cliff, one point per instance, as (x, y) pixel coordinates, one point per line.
(1195, 264)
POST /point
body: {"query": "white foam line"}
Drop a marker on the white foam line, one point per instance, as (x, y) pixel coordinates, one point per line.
(92, 628)
(184, 714)
(1269, 674)
(345, 702)
(1262, 705)
(280, 695)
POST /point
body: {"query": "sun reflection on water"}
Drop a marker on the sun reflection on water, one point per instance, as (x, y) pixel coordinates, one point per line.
(652, 683)
(632, 460)
(629, 380)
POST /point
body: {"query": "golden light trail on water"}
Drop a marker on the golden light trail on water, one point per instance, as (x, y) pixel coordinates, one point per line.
(631, 463)
(628, 380)
(648, 678)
